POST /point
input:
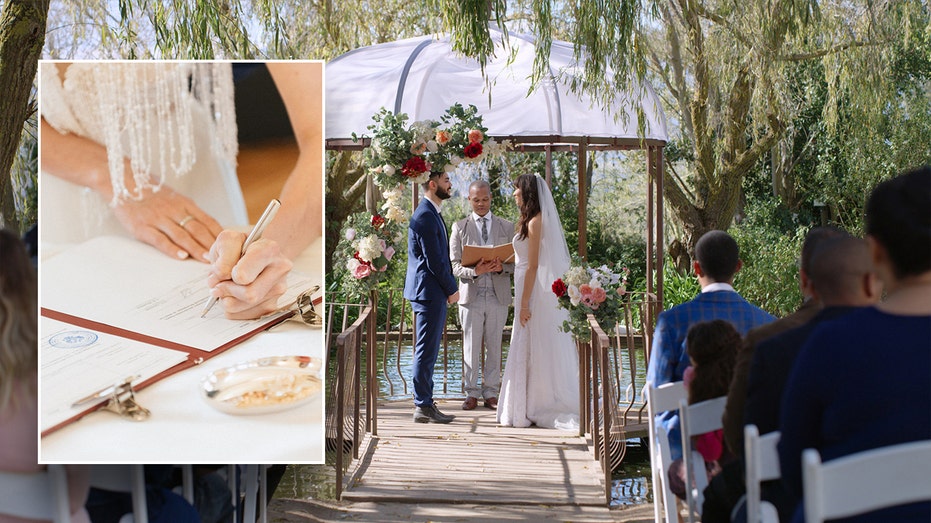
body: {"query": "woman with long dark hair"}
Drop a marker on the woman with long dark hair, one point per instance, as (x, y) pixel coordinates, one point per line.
(541, 376)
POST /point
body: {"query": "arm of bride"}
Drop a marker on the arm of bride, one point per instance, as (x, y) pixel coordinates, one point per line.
(299, 222)
(250, 287)
(534, 230)
(158, 218)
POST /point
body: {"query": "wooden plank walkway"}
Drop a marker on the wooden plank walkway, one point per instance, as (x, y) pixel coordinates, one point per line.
(472, 460)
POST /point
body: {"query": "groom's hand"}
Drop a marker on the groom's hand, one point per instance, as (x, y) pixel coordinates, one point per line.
(452, 298)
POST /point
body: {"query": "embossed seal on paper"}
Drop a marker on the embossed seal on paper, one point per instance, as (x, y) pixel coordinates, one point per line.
(73, 339)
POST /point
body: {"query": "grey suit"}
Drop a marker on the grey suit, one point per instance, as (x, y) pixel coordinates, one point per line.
(483, 305)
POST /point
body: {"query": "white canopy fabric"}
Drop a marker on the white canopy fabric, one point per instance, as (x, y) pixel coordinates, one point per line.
(423, 77)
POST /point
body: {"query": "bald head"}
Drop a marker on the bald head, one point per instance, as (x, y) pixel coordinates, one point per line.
(841, 272)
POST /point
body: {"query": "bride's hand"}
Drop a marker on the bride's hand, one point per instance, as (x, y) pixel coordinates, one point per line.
(170, 222)
(524, 316)
(248, 287)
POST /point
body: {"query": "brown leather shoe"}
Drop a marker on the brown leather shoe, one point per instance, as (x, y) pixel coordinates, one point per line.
(469, 403)
(491, 403)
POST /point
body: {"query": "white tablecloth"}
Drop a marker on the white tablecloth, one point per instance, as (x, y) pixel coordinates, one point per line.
(183, 428)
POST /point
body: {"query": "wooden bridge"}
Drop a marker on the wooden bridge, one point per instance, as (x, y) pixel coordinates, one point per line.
(473, 459)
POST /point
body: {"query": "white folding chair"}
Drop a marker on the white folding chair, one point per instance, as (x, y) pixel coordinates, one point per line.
(38, 495)
(123, 478)
(694, 420)
(865, 481)
(762, 464)
(659, 400)
(256, 483)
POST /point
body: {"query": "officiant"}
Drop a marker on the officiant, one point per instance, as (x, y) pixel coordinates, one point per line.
(484, 296)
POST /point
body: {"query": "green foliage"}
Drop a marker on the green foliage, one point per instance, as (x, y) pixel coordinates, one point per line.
(769, 276)
(678, 287)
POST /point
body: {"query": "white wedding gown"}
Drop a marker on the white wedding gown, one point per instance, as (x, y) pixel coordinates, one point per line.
(541, 375)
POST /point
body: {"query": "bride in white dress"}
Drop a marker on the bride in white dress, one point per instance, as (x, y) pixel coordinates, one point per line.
(541, 375)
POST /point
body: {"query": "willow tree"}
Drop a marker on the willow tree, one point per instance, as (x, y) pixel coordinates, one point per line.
(722, 68)
(22, 32)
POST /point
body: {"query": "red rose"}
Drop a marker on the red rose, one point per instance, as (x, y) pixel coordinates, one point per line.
(472, 150)
(559, 288)
(377, 221)
(414, 167)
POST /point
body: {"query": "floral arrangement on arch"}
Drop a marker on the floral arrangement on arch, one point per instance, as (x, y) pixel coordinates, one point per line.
(367, 246)
(585, 290)
(402, 153)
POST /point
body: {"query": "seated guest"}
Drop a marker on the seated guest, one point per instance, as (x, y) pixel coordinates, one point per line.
(712, 348)
(843, 280)
(18, 370)
(862, 381)
(716, 262)
(737, 393)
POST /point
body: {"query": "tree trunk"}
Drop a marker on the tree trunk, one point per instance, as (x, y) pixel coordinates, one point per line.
(22, 35)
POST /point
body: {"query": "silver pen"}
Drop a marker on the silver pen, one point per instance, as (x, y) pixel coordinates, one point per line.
(254, 236)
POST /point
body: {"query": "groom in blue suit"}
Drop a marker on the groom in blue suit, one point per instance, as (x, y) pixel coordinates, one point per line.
(431, 287)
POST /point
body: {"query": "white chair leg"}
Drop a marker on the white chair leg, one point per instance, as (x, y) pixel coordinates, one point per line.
(140, 510)
(251, 480)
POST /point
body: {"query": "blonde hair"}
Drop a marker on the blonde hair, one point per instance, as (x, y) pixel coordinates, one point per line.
(19, 354)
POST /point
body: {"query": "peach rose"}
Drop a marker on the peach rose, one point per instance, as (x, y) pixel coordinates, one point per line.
(475, 136)
(442, 137)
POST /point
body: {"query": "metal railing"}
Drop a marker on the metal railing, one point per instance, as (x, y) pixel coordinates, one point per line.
(344, 397)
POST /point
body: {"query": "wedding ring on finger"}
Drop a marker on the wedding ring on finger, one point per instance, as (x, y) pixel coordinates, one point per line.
(184, 221)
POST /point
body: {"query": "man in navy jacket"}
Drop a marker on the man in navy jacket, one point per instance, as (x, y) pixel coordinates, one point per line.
(431, 287)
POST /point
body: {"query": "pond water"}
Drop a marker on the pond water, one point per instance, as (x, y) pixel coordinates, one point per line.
(631, 481)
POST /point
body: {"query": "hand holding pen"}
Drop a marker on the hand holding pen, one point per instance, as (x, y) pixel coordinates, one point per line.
(249, 273)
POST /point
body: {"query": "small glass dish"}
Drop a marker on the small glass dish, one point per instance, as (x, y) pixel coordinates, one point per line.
(264, 385)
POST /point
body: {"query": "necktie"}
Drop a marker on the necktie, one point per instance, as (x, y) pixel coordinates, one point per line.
(484, 229)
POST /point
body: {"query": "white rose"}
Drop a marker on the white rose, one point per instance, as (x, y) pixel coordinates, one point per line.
(369, 248)
(574, 295)
(351, 264)
(388, 169)
(431, 146)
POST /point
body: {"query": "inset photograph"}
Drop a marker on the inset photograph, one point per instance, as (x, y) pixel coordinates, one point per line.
(181, 262)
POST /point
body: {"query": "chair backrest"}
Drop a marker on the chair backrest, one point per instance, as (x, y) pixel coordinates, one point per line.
(696, 419)
(660, 399)
(123, 478)
(762, 464)
(865, 481)
(39, 495)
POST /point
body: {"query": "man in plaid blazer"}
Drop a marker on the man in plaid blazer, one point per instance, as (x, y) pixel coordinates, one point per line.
(716, 262)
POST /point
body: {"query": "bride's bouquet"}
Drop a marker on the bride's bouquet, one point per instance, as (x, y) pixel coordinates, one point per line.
(368, 246)
(585, 290)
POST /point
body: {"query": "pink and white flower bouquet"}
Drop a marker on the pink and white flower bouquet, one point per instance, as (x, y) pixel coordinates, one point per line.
(367, 246)
(585, 290)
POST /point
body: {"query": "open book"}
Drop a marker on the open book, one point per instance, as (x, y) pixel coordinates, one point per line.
(127, 297)
(472, 254)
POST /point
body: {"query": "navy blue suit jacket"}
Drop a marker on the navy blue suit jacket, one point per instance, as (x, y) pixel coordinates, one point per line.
(429, 272)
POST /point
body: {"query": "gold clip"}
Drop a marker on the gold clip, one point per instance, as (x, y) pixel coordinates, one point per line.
(306, 310)
(121, 400)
